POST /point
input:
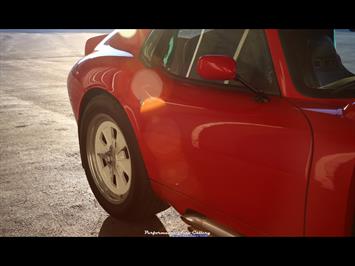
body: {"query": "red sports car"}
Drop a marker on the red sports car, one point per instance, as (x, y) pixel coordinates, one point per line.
(243, 132)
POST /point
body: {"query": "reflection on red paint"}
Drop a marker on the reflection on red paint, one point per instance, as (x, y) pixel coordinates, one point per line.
(327, 166)
(151, 103)
(146, 83)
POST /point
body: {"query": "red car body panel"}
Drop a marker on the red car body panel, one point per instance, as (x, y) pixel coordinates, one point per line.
(281, 168)
(331, 198)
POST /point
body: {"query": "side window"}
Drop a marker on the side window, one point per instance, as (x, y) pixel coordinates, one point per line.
(187, 46)
(179, 50)
(345, 48)
(254, 63)
(181, 46)
(155, 47)
(216, 42)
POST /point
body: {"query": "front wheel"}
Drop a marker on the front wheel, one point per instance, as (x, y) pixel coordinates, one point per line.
(112, 161)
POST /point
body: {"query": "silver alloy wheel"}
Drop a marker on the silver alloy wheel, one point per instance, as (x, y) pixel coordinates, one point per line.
(109, 158)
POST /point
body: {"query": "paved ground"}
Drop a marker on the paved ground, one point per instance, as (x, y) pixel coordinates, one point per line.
(43, 188)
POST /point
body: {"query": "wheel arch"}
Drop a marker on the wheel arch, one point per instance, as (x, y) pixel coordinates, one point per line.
(86, 99)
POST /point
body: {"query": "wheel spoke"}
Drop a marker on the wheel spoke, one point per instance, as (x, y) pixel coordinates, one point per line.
(120, 141)
(125, 165)
(109, 135)
(122, 154)
(120, 180)
(107, 175)
(100, 146)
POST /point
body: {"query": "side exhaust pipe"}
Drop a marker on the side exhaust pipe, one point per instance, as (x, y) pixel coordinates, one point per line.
(202, 223)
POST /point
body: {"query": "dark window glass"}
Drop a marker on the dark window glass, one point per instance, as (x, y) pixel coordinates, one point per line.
(155, 47)
(345, 46)
(216, 42)
(187, 46)
(183, 48)
(255, 65)
(315, 65)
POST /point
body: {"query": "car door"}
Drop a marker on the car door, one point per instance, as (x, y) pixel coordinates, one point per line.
(213, 142)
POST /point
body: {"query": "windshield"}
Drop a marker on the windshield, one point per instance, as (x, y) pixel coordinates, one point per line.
(317, 66)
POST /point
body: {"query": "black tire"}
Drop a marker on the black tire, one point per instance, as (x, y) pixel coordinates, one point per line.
(140, 201)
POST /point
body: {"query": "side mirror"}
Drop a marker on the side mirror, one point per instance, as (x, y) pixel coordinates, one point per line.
(217, 67)
(222, 67)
